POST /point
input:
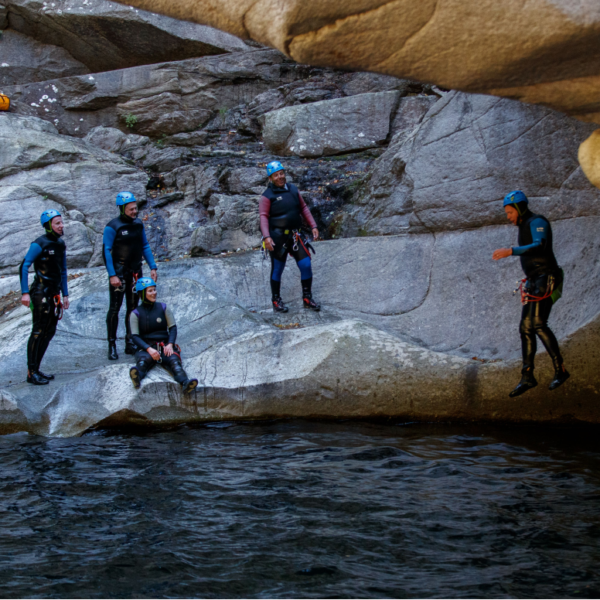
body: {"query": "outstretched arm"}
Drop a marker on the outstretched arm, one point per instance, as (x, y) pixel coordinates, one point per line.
(539, 234)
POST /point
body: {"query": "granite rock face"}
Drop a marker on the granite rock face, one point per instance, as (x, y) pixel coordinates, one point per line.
(331, 126)
(449, 170)
(24, 59)
(115, 36)
(342, 362)
(544, 52)
(158, 99)
(40, 169)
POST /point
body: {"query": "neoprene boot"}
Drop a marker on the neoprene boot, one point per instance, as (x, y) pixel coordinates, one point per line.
(48, 377)
(278, 305)
(182, 379)
(112, 350)
(189, 385)
(136, 377)
(307, 299)
(130, 347)
(35, 378)
(560, 376)
(527, 382)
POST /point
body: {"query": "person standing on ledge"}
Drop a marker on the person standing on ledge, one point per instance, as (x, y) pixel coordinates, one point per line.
(154, 333)
(282, 211)
(543, 287)
(48, 255)
(124, 244)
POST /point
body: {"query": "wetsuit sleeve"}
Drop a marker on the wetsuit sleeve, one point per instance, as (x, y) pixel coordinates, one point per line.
(108, 239)
(147, 251)
(539, 235)
(305, 212)
(34, 251)
(64, 277)
(171, 325)
(134, 324)
(264, 209)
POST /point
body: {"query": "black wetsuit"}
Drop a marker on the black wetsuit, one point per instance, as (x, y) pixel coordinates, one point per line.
(48, 256)
(153, 325)
(285, 213)
(539, 265)
(124, 245)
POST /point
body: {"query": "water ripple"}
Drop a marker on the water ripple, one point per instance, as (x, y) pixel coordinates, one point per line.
(302, 510)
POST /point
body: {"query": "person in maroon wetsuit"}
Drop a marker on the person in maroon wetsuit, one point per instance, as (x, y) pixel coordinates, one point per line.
(282, 213)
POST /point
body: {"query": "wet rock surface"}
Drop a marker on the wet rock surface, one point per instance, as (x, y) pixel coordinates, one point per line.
(351, 360)
(417, 319)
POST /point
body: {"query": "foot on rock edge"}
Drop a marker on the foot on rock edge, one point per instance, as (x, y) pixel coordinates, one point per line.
(48, 377)
(135, 378)
(189, 385)
(279, 306)
(36, 379)
(560, 376)
(112, 351)
(308, 302)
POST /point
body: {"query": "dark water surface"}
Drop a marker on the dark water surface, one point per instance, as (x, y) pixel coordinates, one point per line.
(302, 509)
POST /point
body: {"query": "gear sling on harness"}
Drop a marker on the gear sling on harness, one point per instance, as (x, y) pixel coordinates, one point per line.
(553, 290)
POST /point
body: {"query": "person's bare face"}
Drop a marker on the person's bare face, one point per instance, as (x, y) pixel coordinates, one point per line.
(512, 214)
(278, 178)
(57, 225)
(131, 210)
(151, 294)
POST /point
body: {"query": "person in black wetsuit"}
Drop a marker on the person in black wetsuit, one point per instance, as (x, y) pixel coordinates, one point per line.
(542, 289)
(282, 212)
(48, 255)
(154, 332)
(124, 244)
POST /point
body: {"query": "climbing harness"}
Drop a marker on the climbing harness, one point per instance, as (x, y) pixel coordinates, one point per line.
(160, 346)
(553, 290)
(300, 239)
(58, 307)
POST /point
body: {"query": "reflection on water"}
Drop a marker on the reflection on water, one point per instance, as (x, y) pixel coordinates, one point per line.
(303, 509)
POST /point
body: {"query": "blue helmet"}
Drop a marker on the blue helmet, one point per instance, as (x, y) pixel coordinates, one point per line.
(124, 198)
(273, 167)
(48, 215)
(515, 198)
(144, 283)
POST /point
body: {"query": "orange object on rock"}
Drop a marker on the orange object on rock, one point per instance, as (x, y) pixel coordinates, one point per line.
(4, 102)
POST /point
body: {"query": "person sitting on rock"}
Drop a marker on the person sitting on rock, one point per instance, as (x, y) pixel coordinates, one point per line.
(282, 211)
(124, 244)
(543, 287)
(154, 332)
(48, 255)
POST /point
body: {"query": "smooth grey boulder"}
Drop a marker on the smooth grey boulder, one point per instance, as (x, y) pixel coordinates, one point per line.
(158, 99)
(452, 169)
(331, 126)
(24, 59)
(40, 169)
(348, 361)
(105, 35)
